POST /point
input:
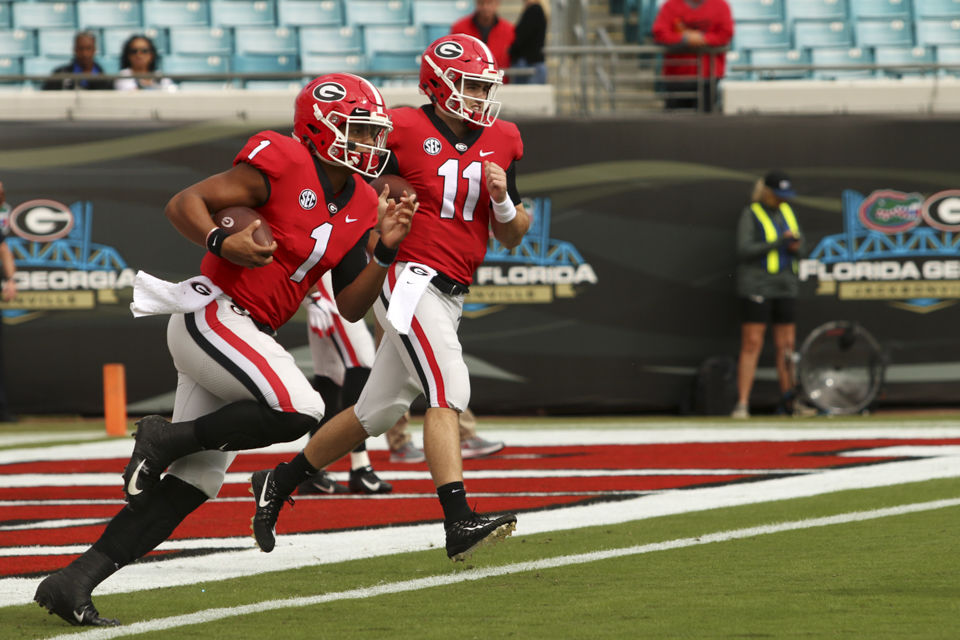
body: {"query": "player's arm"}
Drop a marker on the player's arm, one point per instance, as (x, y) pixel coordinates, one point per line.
(356, 297)
(9, 268)
(510, 220)
(190, 212)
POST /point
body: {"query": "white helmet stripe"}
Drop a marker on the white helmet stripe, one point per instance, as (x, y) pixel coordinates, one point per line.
(375, 91)
(486, 50)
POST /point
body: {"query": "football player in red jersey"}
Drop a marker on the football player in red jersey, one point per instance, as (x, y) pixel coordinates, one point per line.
(237, 387)
(460, 159)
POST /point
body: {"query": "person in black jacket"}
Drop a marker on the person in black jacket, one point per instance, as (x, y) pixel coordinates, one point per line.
(526, 52)
(84, 50)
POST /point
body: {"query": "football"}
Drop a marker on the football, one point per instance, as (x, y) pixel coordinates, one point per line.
(397, 186)
(233, 219)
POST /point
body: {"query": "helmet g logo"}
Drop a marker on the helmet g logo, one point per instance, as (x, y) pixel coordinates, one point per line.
(448, 50)
(329, 92)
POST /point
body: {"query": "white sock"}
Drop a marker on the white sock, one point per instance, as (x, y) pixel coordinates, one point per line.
(359, 459)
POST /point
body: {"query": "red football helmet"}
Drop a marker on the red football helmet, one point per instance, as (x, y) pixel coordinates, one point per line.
(450, 62)
(342, 118)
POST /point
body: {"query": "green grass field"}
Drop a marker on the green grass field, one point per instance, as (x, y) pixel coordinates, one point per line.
(894, 575)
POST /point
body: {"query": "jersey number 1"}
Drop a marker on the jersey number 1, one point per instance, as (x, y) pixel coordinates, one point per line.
(321, 237)
(451, 174)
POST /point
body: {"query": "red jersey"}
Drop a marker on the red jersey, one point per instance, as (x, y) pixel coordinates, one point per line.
(451, 227)
(712, 17)
(313, 227)
(498, 40)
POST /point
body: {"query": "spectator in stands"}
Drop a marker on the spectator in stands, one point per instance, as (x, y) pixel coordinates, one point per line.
(768, 246)
(690, 25)
(139, 56)
(7, 293)
(526, 52)
(486, 25)
(84, 50)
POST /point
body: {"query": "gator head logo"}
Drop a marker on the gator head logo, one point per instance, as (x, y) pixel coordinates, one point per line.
(891, 211)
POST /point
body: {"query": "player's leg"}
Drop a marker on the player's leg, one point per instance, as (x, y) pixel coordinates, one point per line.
(431, 354)
(387, 394)
(133, 532)
(224, 352)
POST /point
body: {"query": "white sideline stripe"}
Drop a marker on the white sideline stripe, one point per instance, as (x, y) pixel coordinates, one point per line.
(638, 432)
(905, 451)
(13, 480)
(211, 615)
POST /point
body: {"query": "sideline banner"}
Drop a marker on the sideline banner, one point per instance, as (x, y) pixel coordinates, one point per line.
(623, 286)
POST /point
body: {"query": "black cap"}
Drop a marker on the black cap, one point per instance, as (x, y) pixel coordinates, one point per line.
(780, 184)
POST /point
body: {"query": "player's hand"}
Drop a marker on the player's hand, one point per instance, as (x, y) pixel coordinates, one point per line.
(694, 38)
(496, 180)
(240, 248)
(395, 223)
(320, 314)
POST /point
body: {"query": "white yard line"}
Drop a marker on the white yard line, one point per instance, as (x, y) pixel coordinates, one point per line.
(210, 615)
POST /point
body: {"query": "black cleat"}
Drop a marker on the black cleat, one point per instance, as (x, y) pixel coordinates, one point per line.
(322, 483)
(364, 480)
(465, 536)
(61, 594)
(264, 522)
(147, 461)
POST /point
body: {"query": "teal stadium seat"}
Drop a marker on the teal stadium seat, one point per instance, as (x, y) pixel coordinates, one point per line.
(175, 13)
(822, 10)
(104, 13)
(320, 63)
(201, 40)
(903, 55)
(757, 10)
(345, 40)
(44, 15)
(301, 13)
(251, 63)
(881, 33)
(10, 66)
(364, 12)
(59, 42)
(938, 32)
(737, 58)
(5, 12)
(235, 13)
(833, 34)
(840, 57)
(17, 43)
(43, 65)
(179, 63)
(111, 42)
(949, 55)
(936, 8)
(781, 58)
(440, 12)
(393, 39)
(886, 9)
(761, 35)
(278, 41)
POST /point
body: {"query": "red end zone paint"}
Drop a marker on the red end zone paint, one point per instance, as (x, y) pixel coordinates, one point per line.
(580, 474)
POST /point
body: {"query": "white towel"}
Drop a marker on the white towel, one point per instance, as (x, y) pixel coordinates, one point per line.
(408, 290)
(153, 296)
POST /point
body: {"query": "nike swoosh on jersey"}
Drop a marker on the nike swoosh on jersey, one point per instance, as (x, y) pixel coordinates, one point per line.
(349, 219)
(132, 485)
(484, 154)
(263, 492)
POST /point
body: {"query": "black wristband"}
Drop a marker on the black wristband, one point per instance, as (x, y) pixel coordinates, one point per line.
(383, 255)
(215, 240)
